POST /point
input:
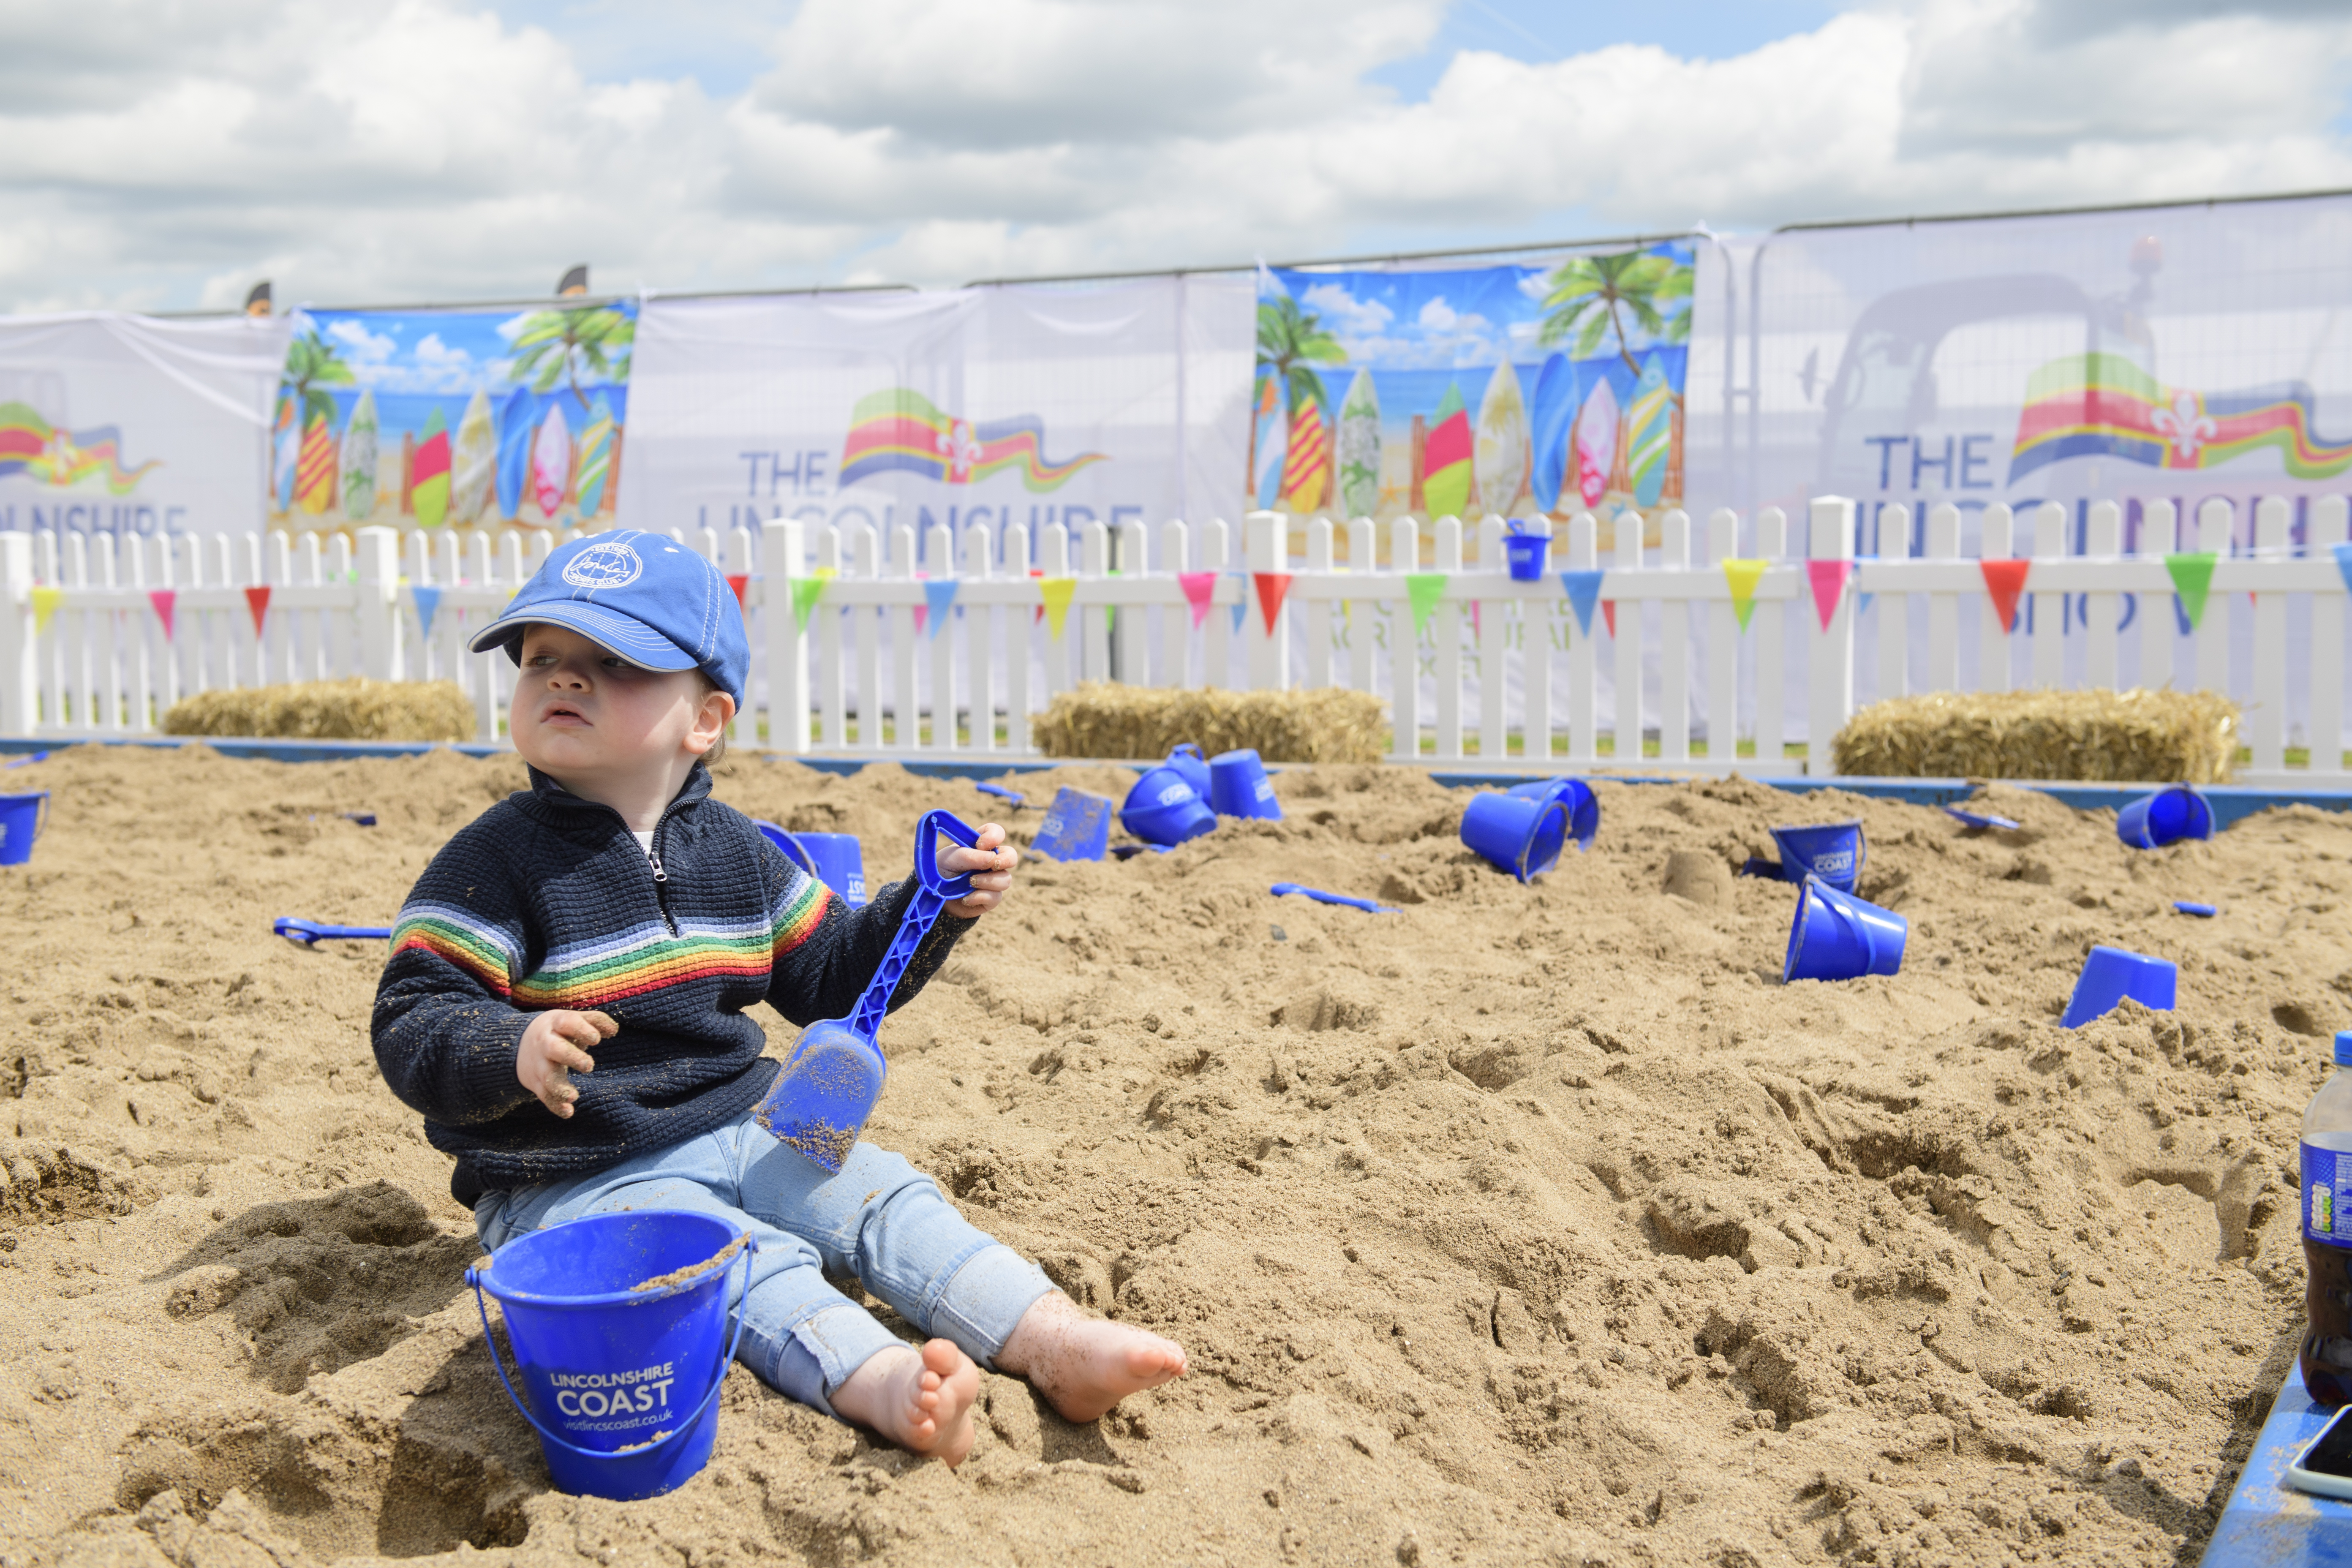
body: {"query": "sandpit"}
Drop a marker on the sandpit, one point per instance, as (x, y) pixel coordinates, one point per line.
(1531, 1224)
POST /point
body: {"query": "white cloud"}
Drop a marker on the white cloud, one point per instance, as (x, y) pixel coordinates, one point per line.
(424, 150)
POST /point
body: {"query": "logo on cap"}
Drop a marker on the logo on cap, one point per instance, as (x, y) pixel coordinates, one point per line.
(611, 565)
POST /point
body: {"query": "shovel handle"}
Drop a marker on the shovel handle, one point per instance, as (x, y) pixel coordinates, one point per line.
(933, 891)
(1320, 897)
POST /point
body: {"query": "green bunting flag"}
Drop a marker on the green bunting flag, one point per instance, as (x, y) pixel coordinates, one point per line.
(805, 593)
(1424, 588)
(2193, 579)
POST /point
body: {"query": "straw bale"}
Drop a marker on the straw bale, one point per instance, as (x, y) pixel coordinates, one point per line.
(1105, 719)
(358, 709)
(2166, 737)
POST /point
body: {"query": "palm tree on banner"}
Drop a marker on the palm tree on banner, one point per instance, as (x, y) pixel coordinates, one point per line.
(1290, 343)
(563, 345)
(311, 363)
(1591, 296)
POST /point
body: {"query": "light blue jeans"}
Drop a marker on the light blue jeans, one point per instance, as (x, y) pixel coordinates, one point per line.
(880, 1221)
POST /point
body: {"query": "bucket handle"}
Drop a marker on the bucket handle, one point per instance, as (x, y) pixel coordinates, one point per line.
(750, 1246)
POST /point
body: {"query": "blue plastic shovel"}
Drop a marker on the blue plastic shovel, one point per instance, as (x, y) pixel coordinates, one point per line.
(309, 933)
(1014, 795)
(821, 1100)
(1320, 897)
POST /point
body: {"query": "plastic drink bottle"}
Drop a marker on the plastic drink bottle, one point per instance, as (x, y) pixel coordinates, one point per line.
(2328, 1233)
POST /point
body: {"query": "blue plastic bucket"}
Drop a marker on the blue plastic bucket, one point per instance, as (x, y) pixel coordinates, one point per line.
(1190, 766)
(1526, 554)
(1833, 851)
(609, 1364)
(1836, 936)
(1077, 826)
(1575, 797)
(1164, 809)
(2165, 818)
(22, 817)
(1238, 786)
(2110, 975)
(833, 859)
(1515, 833)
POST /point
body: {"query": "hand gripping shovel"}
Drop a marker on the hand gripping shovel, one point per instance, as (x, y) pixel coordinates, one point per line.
(828, 1088)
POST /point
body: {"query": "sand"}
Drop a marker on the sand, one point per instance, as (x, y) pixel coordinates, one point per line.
(1530, 1223)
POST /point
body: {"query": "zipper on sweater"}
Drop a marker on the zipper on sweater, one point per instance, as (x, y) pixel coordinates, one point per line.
(661, 883)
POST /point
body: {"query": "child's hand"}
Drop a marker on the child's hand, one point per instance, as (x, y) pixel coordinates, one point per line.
(551, 1053)
(990, 863)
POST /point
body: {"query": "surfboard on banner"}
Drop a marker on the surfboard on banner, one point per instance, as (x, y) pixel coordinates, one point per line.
(429, 473)
(551, 462)
(1360, 448)
(314, 468)
(1651, 440)
(1554, 411)
(1446, 464)
(472, 461)
(595, 457)
(1593, 443)
(1272, 440)
(1500, 454)
(359, 459)
(288, 440)
(514, 452)
(1307, 461)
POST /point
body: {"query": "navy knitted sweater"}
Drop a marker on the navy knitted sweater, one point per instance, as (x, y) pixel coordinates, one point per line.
(547, 901)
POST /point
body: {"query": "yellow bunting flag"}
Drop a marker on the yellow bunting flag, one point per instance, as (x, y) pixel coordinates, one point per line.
(1741, 577)
(45, 605)
(1057, 592)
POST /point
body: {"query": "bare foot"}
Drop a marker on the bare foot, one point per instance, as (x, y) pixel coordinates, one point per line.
(920, 1400)
(1085, 1366)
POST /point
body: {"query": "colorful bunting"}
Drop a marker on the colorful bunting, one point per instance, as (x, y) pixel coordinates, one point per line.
(2004, 582)
(2193, 579)
(939, 596)
(1609, 614)
(166, 601)
(1583, 591)
(742, 583)
(1829, 585)
(1272, 586)
(1057, 592)
(2343, 564)
(1241, 603)
(1477, 622)
(805, 592)
(1424, 589)
(45, 605)
(1200, 591)
(428, 602)
(1741, 577)
(258, 600)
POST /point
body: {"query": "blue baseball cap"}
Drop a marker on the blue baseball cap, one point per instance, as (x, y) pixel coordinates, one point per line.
(641, 595)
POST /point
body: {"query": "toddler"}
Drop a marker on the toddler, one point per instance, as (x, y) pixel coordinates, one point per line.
(613, 923)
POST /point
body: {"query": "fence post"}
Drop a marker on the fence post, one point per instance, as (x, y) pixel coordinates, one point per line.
(1830, 681)
(788, 671)
(379, 604)
(20, 691)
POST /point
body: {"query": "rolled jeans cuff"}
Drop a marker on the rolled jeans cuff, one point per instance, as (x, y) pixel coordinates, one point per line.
(984, 1303)
(821, 1351)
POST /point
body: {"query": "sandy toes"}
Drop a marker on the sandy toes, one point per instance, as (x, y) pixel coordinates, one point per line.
(1083, 1365)
(919, 1399)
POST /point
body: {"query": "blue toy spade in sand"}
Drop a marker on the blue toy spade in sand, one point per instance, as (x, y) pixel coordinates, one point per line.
(829, 1084)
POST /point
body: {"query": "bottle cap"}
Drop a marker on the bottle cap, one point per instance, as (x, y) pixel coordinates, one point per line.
(2344, 1047)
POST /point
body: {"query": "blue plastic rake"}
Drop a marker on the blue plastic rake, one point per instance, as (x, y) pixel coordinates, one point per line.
(821, 1100)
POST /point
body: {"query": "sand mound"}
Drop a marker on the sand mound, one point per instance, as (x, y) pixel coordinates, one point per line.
(1530, 1223)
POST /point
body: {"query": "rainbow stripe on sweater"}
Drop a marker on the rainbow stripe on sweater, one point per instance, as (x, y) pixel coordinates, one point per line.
(649, 958)
(455, 936)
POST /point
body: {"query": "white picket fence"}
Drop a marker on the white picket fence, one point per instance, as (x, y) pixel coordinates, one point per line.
(97, 640)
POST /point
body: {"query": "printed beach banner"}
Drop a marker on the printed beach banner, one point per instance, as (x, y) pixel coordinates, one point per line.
(469, 418)
(1518, 390)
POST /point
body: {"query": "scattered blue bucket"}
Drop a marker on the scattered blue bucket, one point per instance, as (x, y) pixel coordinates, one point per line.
(2165, 818)
(1077, 826)
(1837, 936)
(1164, 809)
(1238, 786)
(1190, 766)
(22, 817)
(1526, 554)
(1575, 797)
(2110, 975)
(1515, 833)
(833, 859)
(609, 1364)
(1833, 851)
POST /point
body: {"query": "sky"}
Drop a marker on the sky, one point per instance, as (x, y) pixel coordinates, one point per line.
(164, 154)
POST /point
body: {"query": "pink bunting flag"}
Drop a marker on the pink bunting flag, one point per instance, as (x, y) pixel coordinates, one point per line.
(1829, 585)
(1200, 590)
(166, 601)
